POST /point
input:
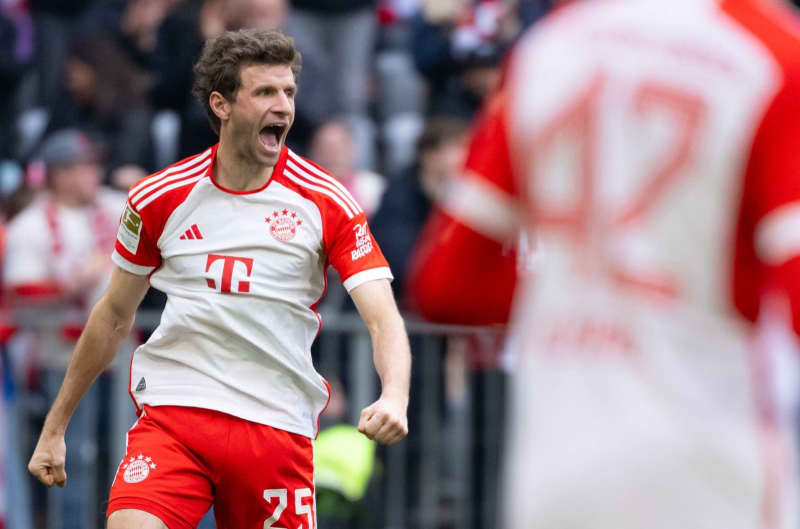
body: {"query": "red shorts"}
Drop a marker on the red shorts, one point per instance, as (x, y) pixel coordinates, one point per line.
(180, 461)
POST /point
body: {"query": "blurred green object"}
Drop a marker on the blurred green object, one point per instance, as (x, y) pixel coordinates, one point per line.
(343, 461)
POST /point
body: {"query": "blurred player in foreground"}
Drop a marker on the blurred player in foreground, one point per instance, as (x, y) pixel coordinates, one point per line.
(651, 147)
(239, 237)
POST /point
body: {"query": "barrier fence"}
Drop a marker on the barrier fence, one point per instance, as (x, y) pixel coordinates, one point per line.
(444, 474)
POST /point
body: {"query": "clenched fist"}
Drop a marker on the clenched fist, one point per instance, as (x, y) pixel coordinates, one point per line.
(384, 421)
(48, 460)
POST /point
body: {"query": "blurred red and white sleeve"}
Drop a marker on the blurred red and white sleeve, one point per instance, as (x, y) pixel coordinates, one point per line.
(464, 267)
(767, 251)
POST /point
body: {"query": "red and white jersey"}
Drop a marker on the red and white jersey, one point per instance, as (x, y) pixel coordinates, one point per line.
(243, 273)
(47, 245)
(651, 148)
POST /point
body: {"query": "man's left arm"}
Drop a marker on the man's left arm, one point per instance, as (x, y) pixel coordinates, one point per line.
(385, 420)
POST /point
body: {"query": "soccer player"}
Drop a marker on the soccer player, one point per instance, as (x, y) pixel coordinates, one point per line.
(651, 149)
(239, 237)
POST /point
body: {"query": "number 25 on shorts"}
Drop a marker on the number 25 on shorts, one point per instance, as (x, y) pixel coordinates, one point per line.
(300, 508)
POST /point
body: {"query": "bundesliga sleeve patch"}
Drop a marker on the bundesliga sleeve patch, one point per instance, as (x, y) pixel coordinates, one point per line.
(129, 230)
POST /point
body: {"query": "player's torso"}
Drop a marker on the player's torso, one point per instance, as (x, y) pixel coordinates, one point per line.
(242, 273)
(264, 246)
(633, 122)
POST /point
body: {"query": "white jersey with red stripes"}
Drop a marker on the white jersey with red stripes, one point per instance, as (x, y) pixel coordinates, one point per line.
(651, 146)
(243, 273)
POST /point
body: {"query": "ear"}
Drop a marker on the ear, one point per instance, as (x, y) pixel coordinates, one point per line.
(219, 105)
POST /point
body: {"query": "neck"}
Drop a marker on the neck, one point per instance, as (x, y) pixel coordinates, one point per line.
(232, 171)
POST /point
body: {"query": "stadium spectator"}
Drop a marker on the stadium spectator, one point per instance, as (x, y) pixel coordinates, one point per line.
(231, 358)
(105, 95)
(332, 146)
(655, 160)
(16, 52)
(57, 257)
(140, 22)
(337, 40)
(179, 42)
(458, 46)
(407, 201)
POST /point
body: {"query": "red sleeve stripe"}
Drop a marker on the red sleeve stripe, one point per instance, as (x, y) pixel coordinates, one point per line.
(194, 160)
(298, 172)
(141, 205)
(294, 178)
(191, 162)
(165, 180)
(331, 181)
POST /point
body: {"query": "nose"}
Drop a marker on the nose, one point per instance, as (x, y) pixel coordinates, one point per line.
(282, 104)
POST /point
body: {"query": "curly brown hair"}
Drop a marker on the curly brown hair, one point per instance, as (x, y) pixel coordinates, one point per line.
(219, 66)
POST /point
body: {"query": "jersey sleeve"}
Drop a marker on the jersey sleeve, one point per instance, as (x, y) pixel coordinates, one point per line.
(767, 250)
(352, 250)
(484, 197)
(136, 249)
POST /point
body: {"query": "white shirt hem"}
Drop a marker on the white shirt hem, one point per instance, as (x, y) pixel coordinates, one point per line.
(194, 401)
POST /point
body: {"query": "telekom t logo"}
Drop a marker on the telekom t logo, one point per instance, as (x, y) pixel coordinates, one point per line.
(228, 266)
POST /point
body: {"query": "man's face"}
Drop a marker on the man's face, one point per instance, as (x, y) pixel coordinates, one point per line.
(78, 182)
(262, 113)
(332, 147)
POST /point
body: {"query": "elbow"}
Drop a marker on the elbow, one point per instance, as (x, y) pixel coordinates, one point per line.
(115, 320)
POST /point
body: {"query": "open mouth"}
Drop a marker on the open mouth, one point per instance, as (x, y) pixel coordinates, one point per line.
(271, 135)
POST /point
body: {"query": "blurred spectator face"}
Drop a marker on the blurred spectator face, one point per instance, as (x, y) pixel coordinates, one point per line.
(332, 147)
(76, 183)
(441, 164)
(259, 14)
(262, 113)
(481, 80)
(80, 80)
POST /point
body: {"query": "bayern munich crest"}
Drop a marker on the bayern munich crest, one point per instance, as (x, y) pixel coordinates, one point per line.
(283, 224)
(137, 468)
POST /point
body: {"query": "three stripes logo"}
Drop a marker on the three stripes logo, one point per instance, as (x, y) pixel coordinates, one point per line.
(192, 233)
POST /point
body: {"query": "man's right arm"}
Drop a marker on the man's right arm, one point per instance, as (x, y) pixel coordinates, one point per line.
(109, 323)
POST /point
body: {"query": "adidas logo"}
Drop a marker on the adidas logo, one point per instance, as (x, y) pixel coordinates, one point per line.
(192, 233)
(142, 385)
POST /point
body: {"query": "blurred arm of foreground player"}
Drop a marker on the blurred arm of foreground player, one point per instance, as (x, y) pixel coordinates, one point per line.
(110, 321)
(460, 276)
(385, 419)
(464, 267)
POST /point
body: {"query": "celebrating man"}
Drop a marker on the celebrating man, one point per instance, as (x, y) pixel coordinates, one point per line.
(239, 237)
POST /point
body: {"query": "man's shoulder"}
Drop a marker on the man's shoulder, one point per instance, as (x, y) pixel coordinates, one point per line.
(315, 183)
(30, 218)
(164, 190)
(27, 232)
(774, 25)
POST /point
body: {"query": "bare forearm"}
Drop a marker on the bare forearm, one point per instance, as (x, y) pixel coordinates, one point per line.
(93, 353)
(392, 357)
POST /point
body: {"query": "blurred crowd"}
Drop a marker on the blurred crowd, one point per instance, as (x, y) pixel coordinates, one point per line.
(97, 94)
(386, 92)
